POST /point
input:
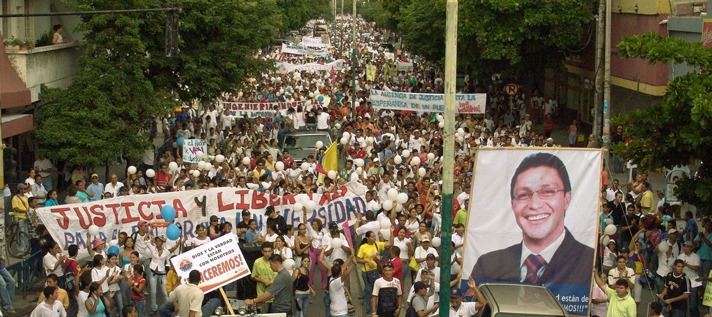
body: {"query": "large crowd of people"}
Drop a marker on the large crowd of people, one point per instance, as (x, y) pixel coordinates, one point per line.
(386, 150)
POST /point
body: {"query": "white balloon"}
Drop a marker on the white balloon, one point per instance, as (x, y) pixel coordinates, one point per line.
(288, 264)
(460, 139)
(336, 243)
(605, 240)
(608, 221)
(344, 141)
(440, 118)
(431, 156)
(359, 170)
(384, 223)
(252, 186)
(402, 198)
(421, 171)
(208, 166)
(415, 161)
(246, 160)
(196, 173)
(298, 207)
(441, 124)
(337, 125)
(200, 155)
(392, 194)
(370, 140)
(219, 158)
(346, 135)
(610, 229)
(398, 159)
(387, 205)
(359, 162)
(664, 246)
(386, 233)
(173, 166)
(405, 153)
(150, 173)
(93, 230)
(436, 242)
(461, 131)
(398, 207)
(201, 165)
(310, 205)
(332, 174)
(279, 166)
(305, 166)
(319, 144)
(304, 199)
(132, 169)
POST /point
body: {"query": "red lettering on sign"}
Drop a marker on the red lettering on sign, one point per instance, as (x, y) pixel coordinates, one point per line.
(129, 217)
(142, 204)
(145, 215)
(64, 221)
(258, 200)
(100, 219)
(223, 206)
(241, 204)
(180, 209)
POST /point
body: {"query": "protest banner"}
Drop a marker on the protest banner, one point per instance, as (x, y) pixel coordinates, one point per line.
(259, 109)
(68, 224)
(465, 103)
(219, 262)
(285, 68)
(313, 42)
(191, 147)
(537, 203)
(405, 66)
(302, 50)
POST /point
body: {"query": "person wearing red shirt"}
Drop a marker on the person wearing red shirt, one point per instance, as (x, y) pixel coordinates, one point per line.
(163, 178)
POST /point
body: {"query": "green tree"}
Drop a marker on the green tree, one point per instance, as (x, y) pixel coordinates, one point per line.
(125, 80)
(678, 130)
(518, 37)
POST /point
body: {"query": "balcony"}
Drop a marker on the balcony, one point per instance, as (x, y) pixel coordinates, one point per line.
(52, 65)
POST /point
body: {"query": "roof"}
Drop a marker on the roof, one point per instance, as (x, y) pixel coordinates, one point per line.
(522, 300)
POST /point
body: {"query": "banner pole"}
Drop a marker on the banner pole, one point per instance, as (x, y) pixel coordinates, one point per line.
(227, 301)
(448, 155)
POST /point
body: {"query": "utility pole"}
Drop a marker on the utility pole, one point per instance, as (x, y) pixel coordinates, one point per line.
(598, 71)
(353, 56)
(449, 154)
(607, 82)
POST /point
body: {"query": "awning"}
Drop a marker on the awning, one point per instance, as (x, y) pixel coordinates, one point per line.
(13, 92)
(14, 124)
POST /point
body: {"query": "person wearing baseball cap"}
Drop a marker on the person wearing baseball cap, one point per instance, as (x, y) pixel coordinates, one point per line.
(420, 300)
(458, 307)
(425, 249)
(20, 204)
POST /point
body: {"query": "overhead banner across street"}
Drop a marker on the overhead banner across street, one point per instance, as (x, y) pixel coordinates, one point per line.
(465, 103)
(68, 224)
(302, 50)
(533, 220)
(285, 67)
(219, 262)
(259, 109)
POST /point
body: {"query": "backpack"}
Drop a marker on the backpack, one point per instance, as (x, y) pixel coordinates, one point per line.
(410, 312)
(70, 279)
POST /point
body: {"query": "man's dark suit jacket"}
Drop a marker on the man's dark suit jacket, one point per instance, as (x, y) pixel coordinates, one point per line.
(571, 264)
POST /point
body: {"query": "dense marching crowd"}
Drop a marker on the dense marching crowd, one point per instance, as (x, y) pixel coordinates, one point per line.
(389, 153)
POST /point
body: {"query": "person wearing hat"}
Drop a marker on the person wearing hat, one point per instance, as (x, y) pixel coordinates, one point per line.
(424, 251)
(244, 223)
(387, 294)
(420, 299)
(275, 219)
(691, 266)
(672, 247)
(96, 188)
(458, 307)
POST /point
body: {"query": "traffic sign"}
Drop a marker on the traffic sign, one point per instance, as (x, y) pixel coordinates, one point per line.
(511, 89)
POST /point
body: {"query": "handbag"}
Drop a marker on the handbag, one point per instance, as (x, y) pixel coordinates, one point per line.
(372, 276)
(413, 265)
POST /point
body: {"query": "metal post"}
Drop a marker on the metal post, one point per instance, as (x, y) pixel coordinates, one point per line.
(607, 81)
(353, 56)
(597, 71)
(449, 154)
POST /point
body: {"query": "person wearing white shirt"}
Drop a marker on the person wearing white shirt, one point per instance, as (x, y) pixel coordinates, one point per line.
(322, 119)
(459, 308)
(371, 224)
(159, 256)
(113, 186)
(342, 252)
(50, 307)
(53, 261)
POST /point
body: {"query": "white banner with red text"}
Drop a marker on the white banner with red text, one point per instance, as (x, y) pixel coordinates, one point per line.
(259, 109)
(464, 103)
(219, 262)
(68, 224)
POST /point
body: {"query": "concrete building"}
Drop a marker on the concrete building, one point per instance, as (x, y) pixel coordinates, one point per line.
(26, 66)
(634, 82)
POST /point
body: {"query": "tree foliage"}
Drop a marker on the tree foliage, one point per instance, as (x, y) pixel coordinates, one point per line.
(495, 35)
(678, 130)
(125, 80)
(296, 13)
